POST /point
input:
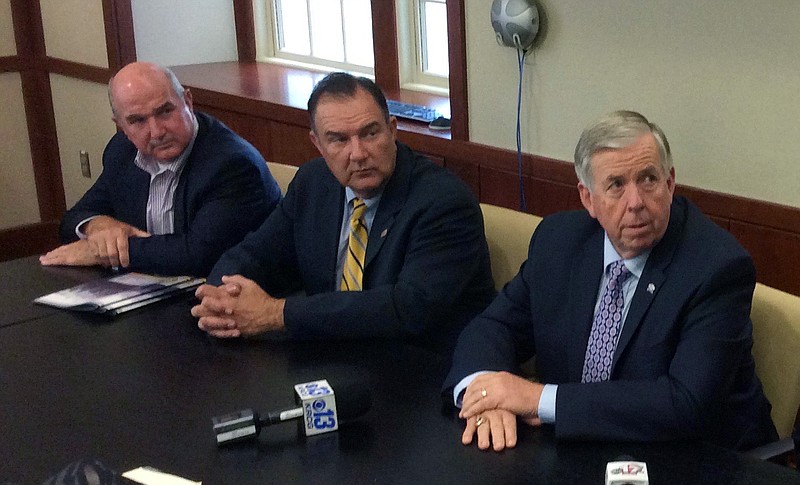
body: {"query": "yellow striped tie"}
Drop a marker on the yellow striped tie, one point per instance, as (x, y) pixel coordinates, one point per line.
(353, 270)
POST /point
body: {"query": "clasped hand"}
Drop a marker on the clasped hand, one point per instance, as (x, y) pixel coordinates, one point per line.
(237, 307)
(491, 404)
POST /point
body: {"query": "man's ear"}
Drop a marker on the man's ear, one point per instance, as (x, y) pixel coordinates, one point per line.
(315, 140)
(671, 181)
(586, 198)
(187, 98)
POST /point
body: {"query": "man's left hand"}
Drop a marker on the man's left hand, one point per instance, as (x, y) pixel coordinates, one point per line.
(502, 390)
(237, 307)
(78, 253)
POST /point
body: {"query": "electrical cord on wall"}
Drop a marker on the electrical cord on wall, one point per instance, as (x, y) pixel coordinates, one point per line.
(521, 54)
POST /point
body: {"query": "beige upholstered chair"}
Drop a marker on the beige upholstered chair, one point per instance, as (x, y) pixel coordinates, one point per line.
(282, 173)
(776, 350)
(508, 233)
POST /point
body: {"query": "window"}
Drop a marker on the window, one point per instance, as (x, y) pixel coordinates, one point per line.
(422, 41)
(328, 34)
(432, 25)
(337, 35)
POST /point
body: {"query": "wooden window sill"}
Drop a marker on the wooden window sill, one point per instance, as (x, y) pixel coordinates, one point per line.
(285, 89)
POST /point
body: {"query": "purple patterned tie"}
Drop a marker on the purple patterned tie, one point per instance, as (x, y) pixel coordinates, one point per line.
(606, 326)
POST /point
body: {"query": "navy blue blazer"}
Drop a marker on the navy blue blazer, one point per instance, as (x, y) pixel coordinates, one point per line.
(225, 191)
(427, 270)
(683, 366)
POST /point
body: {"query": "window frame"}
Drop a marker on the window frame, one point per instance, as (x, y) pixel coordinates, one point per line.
(410, 34)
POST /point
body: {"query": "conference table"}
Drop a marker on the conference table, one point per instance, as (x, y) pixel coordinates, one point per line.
(140, 389)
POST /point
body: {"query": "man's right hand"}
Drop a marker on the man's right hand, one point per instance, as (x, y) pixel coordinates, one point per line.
(108, 239)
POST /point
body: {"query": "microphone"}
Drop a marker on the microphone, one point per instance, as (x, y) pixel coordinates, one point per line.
(317, 406)
(625, 471)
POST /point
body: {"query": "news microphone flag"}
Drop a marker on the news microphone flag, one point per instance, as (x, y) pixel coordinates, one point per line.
(316, 409)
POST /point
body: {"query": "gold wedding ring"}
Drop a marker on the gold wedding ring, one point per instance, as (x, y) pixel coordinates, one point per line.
(479, 421)
(483, 392)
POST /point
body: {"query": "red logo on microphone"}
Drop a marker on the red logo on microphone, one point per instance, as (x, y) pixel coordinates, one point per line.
(628, 469)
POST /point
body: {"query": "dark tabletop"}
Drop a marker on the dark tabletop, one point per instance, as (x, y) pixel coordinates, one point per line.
(25, 279)
(141, 388)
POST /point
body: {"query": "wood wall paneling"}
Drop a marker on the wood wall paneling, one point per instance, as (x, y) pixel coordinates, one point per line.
(290, 144)
(245, 30)
(18, 242)
(384, 27)
(38, 101)
(457, 54)
(120, 40)
(468, 171)
(12, 64)
(775, 253)
(249, 127)
(100, 75)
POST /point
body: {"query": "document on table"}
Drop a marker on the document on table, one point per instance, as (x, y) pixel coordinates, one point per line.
(119, 294)
(151, 476)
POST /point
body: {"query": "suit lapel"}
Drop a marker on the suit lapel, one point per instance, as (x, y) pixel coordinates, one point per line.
(138, 188)
(393, 199)
(180, 200)
(646, 290)
(585, 276)
(652, 278)
(331, 200)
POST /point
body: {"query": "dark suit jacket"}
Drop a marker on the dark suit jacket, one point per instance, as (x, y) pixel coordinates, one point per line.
(427, 270)
(225, 191)
(683, 366)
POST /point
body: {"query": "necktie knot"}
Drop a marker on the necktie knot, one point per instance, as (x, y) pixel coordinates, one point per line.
(359, 208)
(618, 273)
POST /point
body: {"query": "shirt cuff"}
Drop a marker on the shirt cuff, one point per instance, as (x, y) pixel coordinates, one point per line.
(547, 404)
(458, 390)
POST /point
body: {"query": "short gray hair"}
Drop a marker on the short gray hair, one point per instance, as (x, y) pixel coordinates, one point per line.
(617, 130)
(176, 85)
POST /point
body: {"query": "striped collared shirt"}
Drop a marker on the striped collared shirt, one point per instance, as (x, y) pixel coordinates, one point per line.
(164, 177)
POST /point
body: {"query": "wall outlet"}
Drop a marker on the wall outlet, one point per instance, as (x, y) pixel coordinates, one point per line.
(86, 169)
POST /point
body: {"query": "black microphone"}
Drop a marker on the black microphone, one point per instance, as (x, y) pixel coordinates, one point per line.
(320, 409)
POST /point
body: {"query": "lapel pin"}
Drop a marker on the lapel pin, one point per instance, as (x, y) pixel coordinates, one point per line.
(651, 288)
(384, 233)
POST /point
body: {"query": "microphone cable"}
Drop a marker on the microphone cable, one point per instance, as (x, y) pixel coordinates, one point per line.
(521, 54)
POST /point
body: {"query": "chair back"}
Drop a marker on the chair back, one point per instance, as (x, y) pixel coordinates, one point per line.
(776, 350)
(508, 233)
(282, 173)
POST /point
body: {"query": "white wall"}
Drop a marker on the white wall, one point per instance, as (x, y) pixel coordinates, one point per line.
(74, 30)
(7, 45)
(178, 32)
(721, 77)
(83, 122)
(17, 186)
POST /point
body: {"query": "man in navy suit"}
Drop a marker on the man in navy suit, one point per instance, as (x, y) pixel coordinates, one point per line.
(636, 309)
(178, 188)
(426, 270)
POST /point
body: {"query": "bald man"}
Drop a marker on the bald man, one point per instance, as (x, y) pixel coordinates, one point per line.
(177, 189)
